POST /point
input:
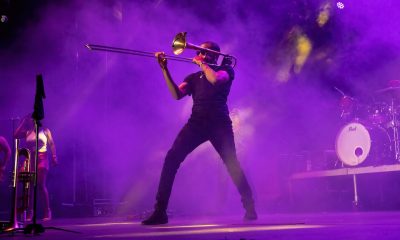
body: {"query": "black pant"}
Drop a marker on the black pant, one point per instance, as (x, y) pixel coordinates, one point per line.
(194, 133)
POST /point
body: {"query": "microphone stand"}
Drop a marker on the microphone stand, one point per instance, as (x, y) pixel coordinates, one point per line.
(34, 227)
(38, 115)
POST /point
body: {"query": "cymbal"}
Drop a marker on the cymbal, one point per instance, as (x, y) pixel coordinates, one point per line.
(389, 90)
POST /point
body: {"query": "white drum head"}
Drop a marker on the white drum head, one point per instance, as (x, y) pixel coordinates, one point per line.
(353, 144)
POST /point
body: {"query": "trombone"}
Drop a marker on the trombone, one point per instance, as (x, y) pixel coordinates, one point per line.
(22, 175)
(179, 44)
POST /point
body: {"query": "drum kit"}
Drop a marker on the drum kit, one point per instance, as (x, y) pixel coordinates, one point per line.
(370, 135)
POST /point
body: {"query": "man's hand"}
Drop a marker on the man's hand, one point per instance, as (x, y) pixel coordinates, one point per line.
(199, 60)
(161, 59)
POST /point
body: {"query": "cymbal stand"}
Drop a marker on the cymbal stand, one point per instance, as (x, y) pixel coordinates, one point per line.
(395, 132)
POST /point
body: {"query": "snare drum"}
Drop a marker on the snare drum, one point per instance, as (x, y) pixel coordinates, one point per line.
(357, 142)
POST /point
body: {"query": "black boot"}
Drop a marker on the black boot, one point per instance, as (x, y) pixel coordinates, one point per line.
(158, 217)
(250, 214)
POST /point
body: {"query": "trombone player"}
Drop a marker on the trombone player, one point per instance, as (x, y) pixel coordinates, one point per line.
(209, 121)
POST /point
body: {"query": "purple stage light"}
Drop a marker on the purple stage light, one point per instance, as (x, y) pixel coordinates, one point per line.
(340, 5)
(3, 19)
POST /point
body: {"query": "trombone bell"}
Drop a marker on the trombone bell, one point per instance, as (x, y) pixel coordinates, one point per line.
(179, 43)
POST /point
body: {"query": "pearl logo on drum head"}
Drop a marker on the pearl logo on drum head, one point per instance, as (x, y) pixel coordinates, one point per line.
(356, 143)
(353, 144)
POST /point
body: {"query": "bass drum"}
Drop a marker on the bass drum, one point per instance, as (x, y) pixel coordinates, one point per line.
(357, 143)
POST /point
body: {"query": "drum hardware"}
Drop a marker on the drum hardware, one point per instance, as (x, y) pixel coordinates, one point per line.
(357, 140)
(378, 112)
(346, 103)
(395, 133)
(391, 91)
(394, 94)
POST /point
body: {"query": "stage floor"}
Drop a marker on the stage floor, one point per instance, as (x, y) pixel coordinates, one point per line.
(338, 226)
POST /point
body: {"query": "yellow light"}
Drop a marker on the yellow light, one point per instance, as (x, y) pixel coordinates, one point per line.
(324, 14)
(303, 48)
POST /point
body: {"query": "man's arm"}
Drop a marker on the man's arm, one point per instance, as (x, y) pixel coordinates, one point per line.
(177, 92)
(212, 76)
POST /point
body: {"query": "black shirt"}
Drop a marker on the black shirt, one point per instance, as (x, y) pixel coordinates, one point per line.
(209, 100)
